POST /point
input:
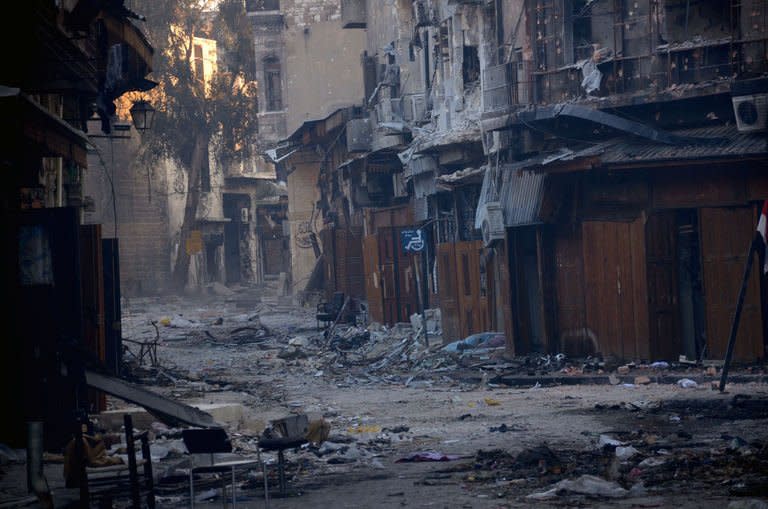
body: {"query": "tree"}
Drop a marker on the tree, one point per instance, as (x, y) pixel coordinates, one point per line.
(194, 107)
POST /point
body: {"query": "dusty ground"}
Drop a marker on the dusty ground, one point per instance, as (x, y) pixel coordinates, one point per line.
(704, 449)
(686, 447)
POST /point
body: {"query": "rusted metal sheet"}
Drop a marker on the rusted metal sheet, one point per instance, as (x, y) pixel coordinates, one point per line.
(521, 195)
(615, 287)
(574, 338)
(726, 234)
(171, 412)
(449, 305)
(663, 300)
(373, 290)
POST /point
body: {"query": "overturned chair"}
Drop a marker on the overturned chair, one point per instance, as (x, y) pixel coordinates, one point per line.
(287, 433)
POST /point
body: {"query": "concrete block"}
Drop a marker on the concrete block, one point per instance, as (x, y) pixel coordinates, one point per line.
(223, 413)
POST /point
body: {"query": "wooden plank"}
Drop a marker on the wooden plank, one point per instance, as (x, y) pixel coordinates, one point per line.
(726, 234)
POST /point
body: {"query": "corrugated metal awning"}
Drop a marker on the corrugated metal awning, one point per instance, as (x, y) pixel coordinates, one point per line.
(520, 195)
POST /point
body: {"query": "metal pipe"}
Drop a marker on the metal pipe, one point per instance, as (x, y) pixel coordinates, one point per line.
(36, 481)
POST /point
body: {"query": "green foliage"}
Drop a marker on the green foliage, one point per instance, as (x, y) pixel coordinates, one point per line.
(225, 106)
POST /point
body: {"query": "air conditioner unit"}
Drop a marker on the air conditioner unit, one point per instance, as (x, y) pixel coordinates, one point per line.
(492, 226)
(244, 215)
(389, 110)
(751, 112)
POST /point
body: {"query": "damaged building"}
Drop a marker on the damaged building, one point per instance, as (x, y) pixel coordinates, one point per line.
(62, 306)
(237, 237)
(586, 175)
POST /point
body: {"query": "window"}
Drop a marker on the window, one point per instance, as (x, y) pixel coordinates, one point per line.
(470, 66)
(205, 173)
(273, 90)
(197, 61)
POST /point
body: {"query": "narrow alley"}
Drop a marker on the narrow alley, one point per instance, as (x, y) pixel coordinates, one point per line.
(435, 429)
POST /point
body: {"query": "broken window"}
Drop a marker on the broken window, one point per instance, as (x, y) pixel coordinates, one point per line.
(262, 5)
(205, 174)
(470, 68)
(272, 80)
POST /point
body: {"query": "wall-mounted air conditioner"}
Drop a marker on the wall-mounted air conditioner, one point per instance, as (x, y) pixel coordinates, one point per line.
(492, 226)
(244, 216)
(750, 104)
(751, 112)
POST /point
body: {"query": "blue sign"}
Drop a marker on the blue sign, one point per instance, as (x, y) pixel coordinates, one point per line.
(412, 240)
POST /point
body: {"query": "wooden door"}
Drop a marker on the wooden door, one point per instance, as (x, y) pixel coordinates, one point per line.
(373, 290)
(615, 287)
(449, 305)
(726, 234)
(663, 293)
(472, 306)
(574, 338)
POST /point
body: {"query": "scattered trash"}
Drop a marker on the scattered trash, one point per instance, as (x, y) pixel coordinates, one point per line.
(609, 441)
(687, 383)
(492, 402)
(652, 462)
(748, 504)
(480, 340)
(364, 429)
(589, 485)
(660, 365)
(642, 380)
(624, 453)
(428, 456)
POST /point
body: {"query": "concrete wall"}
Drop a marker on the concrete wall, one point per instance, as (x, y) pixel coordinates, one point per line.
(141, 198)
(303, 219)
(323, 71)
